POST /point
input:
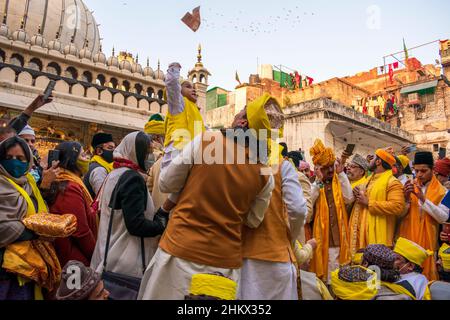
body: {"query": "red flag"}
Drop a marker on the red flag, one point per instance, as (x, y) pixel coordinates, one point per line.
(395, 65)
(391, 73)
(192, 20)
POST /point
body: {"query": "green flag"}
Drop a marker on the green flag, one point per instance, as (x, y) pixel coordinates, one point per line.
(406, 50)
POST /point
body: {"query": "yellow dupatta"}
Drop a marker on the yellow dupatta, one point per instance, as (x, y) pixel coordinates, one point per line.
(33, 260)
(421, 228)
(103, 163)
(402, 290)
(321, 231)
(361, 181)
(183, 127)
(355, 291)
(374, 228)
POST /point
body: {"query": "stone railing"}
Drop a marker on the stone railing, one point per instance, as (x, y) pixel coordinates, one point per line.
(334, 110)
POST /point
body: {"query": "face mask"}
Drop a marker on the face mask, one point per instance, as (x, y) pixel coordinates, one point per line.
(14, 167)
(108, 156)
(150, 161)
(83, 165)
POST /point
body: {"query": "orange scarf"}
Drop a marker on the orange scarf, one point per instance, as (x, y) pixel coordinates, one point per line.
(66, 175)
(421, 228)
(321, 231)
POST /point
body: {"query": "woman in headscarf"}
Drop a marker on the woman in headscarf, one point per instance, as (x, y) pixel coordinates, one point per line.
(68, 194)
(27, 264)
(135, 227)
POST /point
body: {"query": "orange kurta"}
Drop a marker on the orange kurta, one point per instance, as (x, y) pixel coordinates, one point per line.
(321, 231)
(421, 228)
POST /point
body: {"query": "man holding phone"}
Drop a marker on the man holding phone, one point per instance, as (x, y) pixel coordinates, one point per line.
(424, 196)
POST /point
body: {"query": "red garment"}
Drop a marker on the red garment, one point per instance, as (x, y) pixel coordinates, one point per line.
(442, 167)
(125, 163)
(395, 65)
(310, 80)
(391, 73)
(80, 246)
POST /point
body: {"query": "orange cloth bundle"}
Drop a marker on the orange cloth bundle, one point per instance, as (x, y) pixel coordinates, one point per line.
(52, 225)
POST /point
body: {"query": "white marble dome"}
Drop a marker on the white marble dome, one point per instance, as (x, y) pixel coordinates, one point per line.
(71, 17)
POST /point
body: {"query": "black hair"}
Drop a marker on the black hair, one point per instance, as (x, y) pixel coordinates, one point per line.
(142, 144)
(285, 151)
(390, 275)
(418, 269)
(385, 165)
(68, 156)
(12, 142)
(444, 276)
(296, 157)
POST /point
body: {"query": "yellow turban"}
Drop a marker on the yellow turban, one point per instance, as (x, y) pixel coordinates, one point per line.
(404, 160)
(213, 286)
(355, 291)
(412, 251)
(259, 119)
(322, 156)
(386, 157)
(445, 257)
(155, 127)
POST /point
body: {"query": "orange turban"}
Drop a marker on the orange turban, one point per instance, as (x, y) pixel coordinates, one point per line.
(322, 156)
(386, 157)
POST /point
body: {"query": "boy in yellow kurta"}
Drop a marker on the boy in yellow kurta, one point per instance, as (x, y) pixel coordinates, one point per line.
(183, 122)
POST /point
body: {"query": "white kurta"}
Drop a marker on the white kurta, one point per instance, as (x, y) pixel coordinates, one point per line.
(267, 280)
(169, 278)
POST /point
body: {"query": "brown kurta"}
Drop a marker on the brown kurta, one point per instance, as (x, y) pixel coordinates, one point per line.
(335, 241)
(206, 225)
(272, 240)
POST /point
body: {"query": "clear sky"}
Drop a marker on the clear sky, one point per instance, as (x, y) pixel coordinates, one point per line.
(320, 38)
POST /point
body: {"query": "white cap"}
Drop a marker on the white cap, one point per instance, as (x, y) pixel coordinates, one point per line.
(27, 131)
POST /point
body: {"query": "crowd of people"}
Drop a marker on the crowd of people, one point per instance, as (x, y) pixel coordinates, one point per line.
(178, 211)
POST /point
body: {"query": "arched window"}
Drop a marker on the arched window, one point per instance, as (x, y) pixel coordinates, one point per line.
(2, 56)
(54, 68)
(160, 94)
(202, 78)
(113, 83)
(150, 93)
(71, 73)
(17, 60)
(35, 64)
(194, 79)
(86, 77)
(138, 88)
(126, 86)
(101, 80)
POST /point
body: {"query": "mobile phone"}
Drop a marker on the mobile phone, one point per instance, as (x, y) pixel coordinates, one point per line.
(53, 155)
(350, 148)
(442, 153)
(412, 148)
(48, 91)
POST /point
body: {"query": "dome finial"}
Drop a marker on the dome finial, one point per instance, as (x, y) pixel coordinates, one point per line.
(113, 52)
(22, 23)
(137, 57)
(159, 65)
(5, 17)
(39, 29)
(199, 56)
(148, 62)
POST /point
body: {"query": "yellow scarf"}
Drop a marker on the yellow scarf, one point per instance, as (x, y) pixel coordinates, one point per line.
(361, 181)
(401, 290)
(321, 232)
(66, 175)
(421, 228)
(33, 260)
(103, 163)
(354, 291)
(366, 228)
(183, 127)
